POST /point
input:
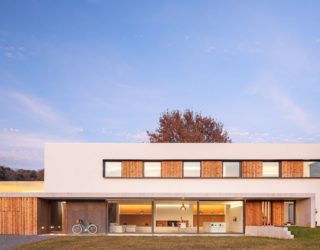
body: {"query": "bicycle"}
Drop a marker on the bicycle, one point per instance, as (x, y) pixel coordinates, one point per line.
(81, 226)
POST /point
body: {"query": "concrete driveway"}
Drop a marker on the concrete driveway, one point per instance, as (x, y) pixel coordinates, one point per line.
(9, 242)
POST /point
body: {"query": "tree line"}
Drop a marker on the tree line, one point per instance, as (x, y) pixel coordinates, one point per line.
(9, 174)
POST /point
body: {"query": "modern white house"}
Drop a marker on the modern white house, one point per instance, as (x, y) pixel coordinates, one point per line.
(168, 188)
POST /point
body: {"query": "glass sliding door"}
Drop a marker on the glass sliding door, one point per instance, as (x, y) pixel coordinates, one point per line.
(289, 213)
(130, 216)
(221, 217)
(175, 217)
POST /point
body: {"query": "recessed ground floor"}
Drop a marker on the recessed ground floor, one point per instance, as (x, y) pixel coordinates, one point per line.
(153, 216)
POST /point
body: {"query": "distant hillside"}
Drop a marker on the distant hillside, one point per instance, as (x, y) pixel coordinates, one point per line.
(9, 174)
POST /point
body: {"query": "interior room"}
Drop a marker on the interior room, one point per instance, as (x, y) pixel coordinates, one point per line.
(220, 216)
(130, 217)
(175, 217)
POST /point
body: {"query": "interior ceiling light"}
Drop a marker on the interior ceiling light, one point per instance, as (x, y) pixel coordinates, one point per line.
(183, 207)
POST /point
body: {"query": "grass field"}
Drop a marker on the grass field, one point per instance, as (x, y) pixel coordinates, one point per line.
(305, 238)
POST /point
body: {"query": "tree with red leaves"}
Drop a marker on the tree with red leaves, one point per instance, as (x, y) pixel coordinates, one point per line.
(188, 126)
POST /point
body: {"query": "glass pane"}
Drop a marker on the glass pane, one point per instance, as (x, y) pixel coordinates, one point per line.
(231, 169)
(130, 217)
(311, 169)
(152, 169)
(289, 209)
(191, 169)
(175, 217)
(220, 216)
(112, 169)
(270, 169)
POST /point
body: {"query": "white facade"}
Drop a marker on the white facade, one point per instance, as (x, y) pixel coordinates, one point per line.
(76, 170)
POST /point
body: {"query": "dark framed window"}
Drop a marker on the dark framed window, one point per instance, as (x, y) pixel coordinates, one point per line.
(311, 169)
(231, 169)
(152, 169)
(112, 169)
(270, 169)
(191, 168)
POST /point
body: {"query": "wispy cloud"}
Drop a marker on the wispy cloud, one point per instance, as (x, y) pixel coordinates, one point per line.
(292, 111)
(24, 149)
(283, 103)
(13, 52)
(125, 136)
(210, 49)
(140, 136)
(36, 106)
(246, 136)
(20, 149)
(11, 138)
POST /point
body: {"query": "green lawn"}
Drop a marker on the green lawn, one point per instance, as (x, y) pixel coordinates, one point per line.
(305, 238)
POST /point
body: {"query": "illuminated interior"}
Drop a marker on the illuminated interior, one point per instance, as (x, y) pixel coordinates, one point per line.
(130, 217)
(175, 216)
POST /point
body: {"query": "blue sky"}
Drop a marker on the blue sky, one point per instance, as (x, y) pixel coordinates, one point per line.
(103, 71)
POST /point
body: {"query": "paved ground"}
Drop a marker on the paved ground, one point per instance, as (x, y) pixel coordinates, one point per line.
(9, 242)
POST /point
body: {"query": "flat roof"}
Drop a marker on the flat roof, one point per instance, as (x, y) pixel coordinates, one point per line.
(182, 196)
(188, 151)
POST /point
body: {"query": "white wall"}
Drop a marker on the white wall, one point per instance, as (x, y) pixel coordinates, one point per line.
(231, 212)
(302, 218)
(77, 168)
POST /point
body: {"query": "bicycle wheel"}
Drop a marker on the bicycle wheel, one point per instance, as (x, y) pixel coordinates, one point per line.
(92, 229)
(77, 229)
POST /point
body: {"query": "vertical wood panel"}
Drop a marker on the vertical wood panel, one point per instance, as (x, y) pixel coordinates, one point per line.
(18, 216)
(211, 169)
(292, 168)
(132, 169)
(251, 168)
(171, 169)
(253, 213)
(277, 213)
(89, 211)
(43, 216)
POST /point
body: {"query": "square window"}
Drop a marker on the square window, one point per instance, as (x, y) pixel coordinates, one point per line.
(191, 169)
(270, 169)
(152, 169)
(231, 169)
(311, 169)
(112, 169)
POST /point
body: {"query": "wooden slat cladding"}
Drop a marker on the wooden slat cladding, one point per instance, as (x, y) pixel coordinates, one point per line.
(211, 169)
(277, 213)
(253, 213)
(18, 216)
(171, 169)
(251, 168)
(132, 169)
(89, 211)
(292, 168)
(43, 216)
